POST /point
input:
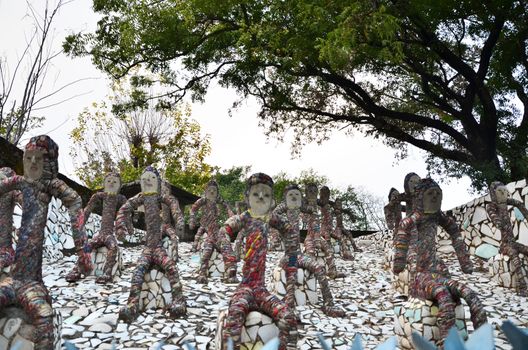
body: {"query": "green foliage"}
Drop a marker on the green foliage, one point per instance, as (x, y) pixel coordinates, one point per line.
(447, 77)
(168, 139)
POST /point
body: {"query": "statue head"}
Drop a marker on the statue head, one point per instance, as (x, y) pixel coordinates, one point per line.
(211, 191)
(393, 194)
(150, 180)
(338, 203)
(41, 158)
(6, 172)
(310, 192)
(324, 195)
(112, 183)
(293, 196)
(499, 192)
(410, 182)
(428, 196)
(259, 194)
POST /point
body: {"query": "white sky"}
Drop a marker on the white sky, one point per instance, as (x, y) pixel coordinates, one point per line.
(237, 140)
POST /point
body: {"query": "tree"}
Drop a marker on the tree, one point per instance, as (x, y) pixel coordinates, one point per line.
(168, 139)
(22, 83)
(366, 207)
(447, 77)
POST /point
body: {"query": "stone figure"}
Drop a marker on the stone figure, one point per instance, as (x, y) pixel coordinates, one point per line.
(112, 201)
(8, 202)
(209, 204)
(498, 213)
(409, 184)
(393, 210)
(25, 287)
(291, 209)
(154, 255)
(432, 281)
(251, 294)
(318, 235)
(341, 234)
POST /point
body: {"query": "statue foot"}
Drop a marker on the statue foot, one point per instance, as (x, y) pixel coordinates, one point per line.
(74, 275)
(201, 279)
(128, 314)
(333, 311)
(231, 280)
(177, 308)
(335, 274)
(103, 279)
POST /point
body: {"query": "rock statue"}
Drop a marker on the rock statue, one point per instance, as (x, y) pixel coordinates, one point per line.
(154, 255)
(39, 183)
(431, 281)
(252, 294)
(213, 240)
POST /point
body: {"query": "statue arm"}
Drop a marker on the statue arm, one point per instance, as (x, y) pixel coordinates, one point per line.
(519, 205)
(449, 224)
(194, 208)
(177, 214)
(91, 204)
(228, 208)
(123, 222)
(11, 184)
(232, 226)
(401, 244)
(287, 232)
(491, 209)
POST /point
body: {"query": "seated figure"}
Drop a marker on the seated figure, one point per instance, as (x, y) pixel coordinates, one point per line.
(154, 255)
(499, 215)
(39, 184)
(431, 280)
(251, 294)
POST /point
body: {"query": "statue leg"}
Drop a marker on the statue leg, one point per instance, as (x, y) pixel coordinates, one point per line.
(129, 312)
(308, 263)
(36, 303)
(7, 256)
(239, 306)
(329, 256)
(207, 251)
(111, 259)
(309, 244)
(169, 231)
(478, 314)
(281, 314)
(436, 289)
(346, 252)
(197, 239)
(513, 253)
(291, 282)
(223, 245)
(165, 263)
(75, 274)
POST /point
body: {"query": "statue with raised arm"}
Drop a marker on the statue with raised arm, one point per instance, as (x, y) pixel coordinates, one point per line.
(432, 281)
(38, 185)
(500, 217)
(290, 208)
(154, 255)
(318, 235)
(8, 202)
(112, 201)
(209, 205)
(251, 294)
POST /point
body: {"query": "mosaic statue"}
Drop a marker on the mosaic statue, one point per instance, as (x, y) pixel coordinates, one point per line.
(291, 209)
(409, 184)
(154, 255)
(168, 228)
(431, 281)
(251, 294)
(112, 201)
(318, 235)
(213, 239)
(39, 183)
(393, 210)
(8, 202)
(341, 234)
(498, 212)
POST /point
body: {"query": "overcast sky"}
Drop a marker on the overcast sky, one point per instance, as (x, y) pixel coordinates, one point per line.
(237, 140)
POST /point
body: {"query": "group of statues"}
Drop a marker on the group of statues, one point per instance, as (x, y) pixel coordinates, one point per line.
(163, 217)
(414, 244)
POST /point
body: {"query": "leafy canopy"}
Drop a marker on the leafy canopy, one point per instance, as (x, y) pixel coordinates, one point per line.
(448, 77)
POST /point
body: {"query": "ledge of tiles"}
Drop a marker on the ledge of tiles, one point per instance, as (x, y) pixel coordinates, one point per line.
(306, 290)
(501, 270)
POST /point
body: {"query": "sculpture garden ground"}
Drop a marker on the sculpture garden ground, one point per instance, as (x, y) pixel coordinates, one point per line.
(90, 310)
